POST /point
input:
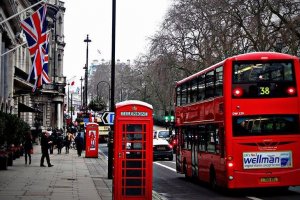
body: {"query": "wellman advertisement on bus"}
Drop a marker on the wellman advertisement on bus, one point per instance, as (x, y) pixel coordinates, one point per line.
(259, 160)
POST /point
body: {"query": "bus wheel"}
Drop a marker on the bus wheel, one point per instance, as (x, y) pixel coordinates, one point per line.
(212, 179)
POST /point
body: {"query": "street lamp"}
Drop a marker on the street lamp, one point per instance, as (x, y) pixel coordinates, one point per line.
(81, 79)
(68, 98)
(87, 40)
(108, 89)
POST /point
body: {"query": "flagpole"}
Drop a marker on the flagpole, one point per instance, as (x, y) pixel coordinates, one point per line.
(5, 20)
(17, 47)
(13, 49)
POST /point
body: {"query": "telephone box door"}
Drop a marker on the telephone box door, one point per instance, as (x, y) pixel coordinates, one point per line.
(133, 157)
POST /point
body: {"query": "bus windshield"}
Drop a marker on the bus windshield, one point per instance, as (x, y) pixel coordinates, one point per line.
(263, 71)
(264, 79)
(259, 125)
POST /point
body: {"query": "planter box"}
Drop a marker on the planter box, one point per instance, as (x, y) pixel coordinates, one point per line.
(10, 158)
(3, 160)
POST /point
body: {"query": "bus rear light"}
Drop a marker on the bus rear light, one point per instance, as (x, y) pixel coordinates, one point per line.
(238, 92)
(291, 91)
(229, 158)
(230, 164)
(230, 178)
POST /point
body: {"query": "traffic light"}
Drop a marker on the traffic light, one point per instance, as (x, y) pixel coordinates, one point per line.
(172, 118)
(167, 119)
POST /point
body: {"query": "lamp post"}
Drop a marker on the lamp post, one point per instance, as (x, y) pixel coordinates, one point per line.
(81, 79)
(112, 99)
(71, 107)
(68, 98)
(87, 40)
(108, 89)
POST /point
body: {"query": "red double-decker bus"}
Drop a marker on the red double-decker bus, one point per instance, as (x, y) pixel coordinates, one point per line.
(237, 122)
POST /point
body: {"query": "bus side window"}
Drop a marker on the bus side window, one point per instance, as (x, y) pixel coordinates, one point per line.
(184, 94)
(210, 84)
(219, 81)
(211, 138)
(201, 138)
(188, 85)
(217, 141)
(190, 139)
(178, 96)
(193, 91)
(201, 88)
(185, 139)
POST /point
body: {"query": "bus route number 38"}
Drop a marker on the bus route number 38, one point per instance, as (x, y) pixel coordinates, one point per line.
(264, 91)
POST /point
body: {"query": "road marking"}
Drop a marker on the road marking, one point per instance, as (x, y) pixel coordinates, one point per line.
(254, 198)
(165, 166)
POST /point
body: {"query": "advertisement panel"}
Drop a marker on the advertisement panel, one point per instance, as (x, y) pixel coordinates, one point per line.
(272, 159)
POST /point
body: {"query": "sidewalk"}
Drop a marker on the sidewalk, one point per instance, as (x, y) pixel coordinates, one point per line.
(71, 178)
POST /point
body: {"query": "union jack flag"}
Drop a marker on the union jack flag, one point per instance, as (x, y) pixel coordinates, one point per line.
(35, 29)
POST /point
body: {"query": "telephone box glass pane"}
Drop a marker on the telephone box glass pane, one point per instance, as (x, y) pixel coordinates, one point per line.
(132, 164)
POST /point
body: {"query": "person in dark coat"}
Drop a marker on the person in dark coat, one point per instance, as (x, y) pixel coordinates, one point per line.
(28, 148)
(79, 143)
(53, 138)
(45, 144)
(59, 142)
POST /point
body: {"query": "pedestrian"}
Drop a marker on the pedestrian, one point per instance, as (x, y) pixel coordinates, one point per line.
(28, 148)
(79, 143)
(68, 141)
(53, 138)
(60, 141)
(45, 142)
(51, 143)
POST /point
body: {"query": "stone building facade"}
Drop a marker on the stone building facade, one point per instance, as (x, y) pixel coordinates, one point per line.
(44, 108)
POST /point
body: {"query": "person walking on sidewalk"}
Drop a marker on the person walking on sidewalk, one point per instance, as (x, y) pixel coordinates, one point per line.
(68, 140)
(28, 148)
(59, 142)
(45, 149)
(79, 143)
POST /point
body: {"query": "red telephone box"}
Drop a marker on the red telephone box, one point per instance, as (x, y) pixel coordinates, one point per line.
(133, 151)
(91, 140)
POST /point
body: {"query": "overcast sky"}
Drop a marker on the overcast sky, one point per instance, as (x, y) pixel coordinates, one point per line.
(135, 21)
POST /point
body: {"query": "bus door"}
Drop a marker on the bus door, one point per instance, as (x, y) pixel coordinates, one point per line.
(180, 143)
(194, 153)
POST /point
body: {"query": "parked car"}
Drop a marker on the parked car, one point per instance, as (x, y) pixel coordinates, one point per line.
(162, 149)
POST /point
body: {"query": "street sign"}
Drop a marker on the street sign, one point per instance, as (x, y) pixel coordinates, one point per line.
(108, 118)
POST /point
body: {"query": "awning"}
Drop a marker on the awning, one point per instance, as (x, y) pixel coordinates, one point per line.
(24, 108)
